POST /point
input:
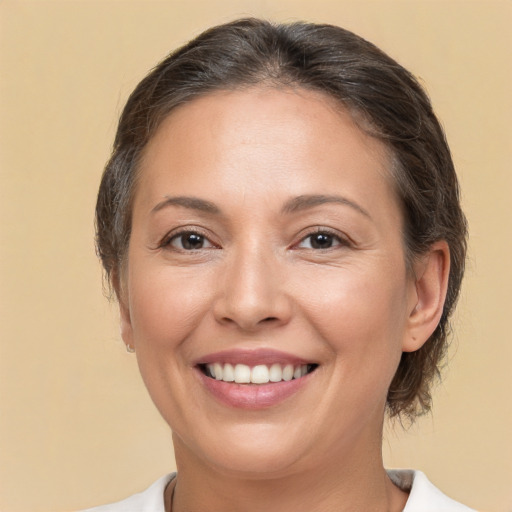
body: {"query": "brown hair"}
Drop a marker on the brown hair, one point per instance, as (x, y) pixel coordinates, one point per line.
(363, 79)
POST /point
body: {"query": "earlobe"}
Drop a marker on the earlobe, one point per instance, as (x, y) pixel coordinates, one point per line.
(431, 284)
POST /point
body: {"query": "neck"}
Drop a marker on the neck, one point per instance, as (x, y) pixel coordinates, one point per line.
(355, 481)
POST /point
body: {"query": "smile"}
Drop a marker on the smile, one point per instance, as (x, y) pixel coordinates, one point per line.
(258, 374)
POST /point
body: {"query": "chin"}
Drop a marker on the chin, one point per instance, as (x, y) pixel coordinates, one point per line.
(255, 464)
(249, 451)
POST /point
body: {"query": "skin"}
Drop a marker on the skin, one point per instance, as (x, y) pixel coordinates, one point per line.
(254, 280)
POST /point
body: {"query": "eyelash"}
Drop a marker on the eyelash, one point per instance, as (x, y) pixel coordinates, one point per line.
(334, 235)
(168, 240)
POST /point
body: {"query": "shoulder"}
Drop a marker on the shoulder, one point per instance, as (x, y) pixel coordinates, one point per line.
(423, 495)
(150, 500)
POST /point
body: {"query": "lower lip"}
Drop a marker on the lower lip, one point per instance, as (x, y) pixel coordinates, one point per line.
(252, 396)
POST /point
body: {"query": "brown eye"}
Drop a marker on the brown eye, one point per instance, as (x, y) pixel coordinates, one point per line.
(189, 241)
(321, 240)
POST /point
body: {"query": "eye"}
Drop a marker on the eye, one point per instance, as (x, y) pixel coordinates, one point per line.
(321, 240)
(188, 241)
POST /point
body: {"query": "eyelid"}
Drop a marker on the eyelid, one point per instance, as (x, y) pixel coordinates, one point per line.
(167, 240)
(343, 240)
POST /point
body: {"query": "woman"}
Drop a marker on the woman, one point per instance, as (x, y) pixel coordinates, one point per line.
(280, 223)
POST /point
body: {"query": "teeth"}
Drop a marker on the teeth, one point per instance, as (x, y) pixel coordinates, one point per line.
(217, 371)
(288, 372)
(259, 374)
(228, 374)
(242, 374)
(276, 373)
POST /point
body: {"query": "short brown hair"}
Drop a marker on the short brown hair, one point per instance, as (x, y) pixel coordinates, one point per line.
(366, 82)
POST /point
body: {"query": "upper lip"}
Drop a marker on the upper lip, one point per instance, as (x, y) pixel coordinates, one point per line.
(252, 357)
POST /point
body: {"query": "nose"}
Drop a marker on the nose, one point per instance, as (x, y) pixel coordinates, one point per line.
(251, 292)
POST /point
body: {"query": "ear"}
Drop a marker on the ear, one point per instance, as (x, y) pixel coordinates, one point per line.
(126, 326)
(431, 282)
(124, 315)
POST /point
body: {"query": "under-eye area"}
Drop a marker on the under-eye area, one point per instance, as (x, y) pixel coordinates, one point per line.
(259, 374)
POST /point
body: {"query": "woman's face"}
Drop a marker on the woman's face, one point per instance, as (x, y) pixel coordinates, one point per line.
(266, 242)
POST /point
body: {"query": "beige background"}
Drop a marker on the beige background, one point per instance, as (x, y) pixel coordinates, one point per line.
(76, 427)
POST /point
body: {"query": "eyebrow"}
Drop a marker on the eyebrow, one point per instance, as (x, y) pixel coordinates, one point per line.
(192, 203)
(304, 202)
(295, 204)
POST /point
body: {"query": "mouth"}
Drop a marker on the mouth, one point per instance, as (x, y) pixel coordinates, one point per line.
(254, 379)
(258, 374)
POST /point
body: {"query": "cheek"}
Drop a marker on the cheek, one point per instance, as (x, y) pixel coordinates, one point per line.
(166, 306)
(359, 313)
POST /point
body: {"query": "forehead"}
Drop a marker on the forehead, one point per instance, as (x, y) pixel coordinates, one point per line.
(264, 140)
(266, 108)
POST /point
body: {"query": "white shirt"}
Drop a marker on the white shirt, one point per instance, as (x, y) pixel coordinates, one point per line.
(423, 496)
